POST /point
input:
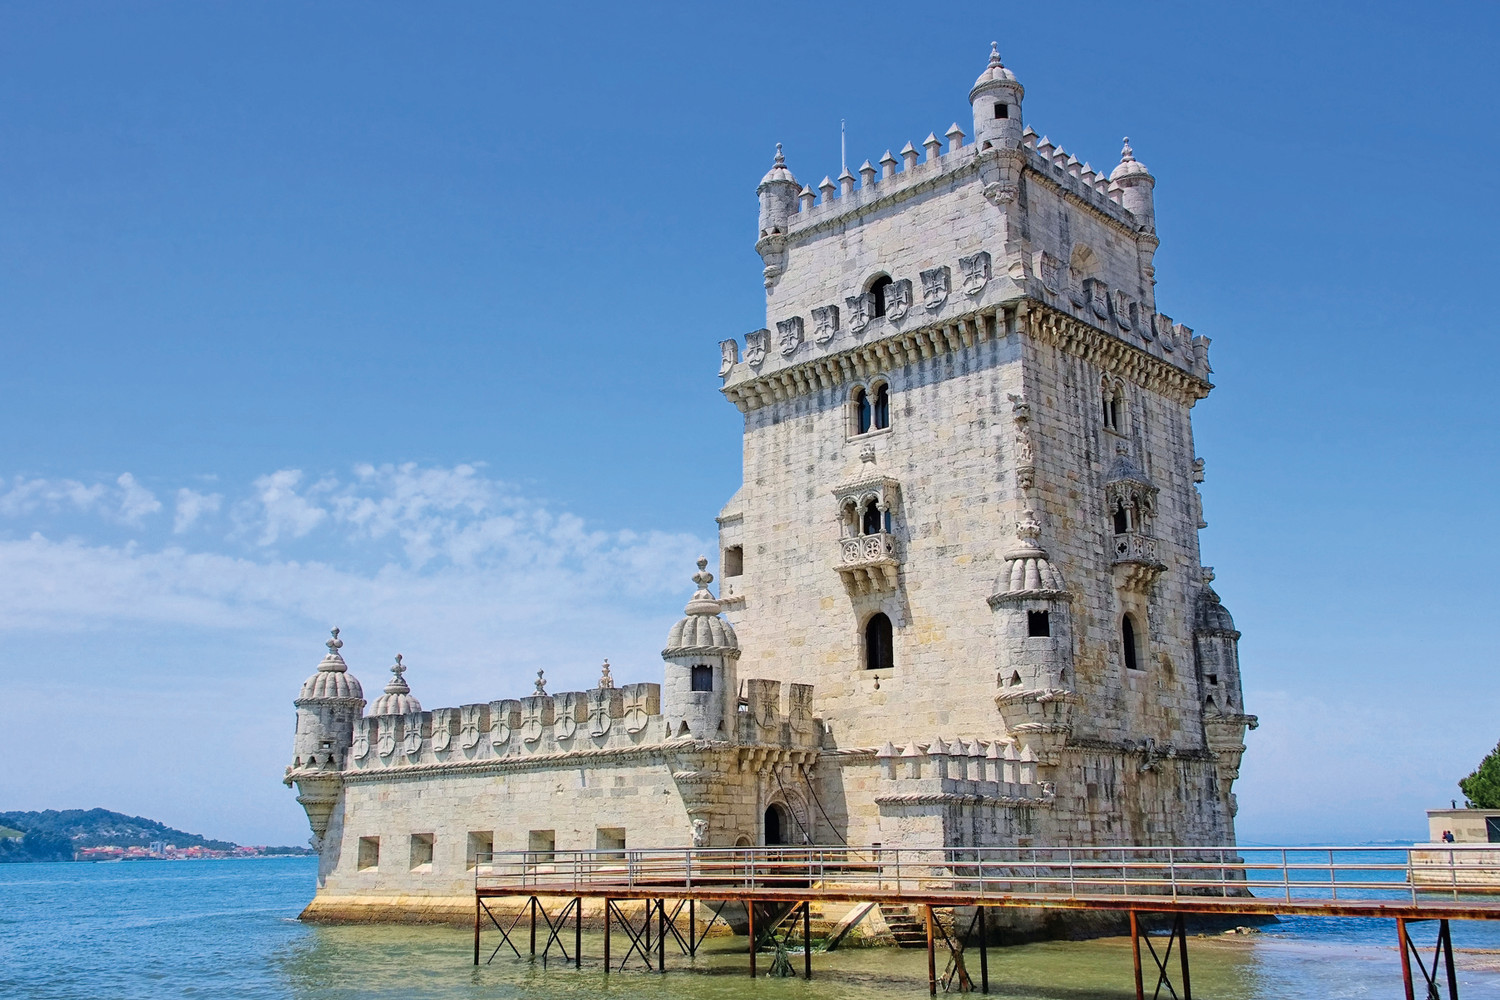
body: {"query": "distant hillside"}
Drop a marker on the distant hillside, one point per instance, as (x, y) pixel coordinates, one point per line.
(101, 827)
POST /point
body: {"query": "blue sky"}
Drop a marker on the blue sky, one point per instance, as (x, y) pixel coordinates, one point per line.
(404, 318)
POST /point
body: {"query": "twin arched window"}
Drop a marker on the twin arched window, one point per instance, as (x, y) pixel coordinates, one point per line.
(1113, 399)
(872, 408)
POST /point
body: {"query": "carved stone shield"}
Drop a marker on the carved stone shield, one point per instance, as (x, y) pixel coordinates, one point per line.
(898, 299)
(789, 335)
(411, 734)
(361, 748)
(504, 716)
(442, 728)
(1165, 333)
(1124, 310)
(729, 352)
(1051, 271)
(756, 345)
(860, 308)
(1098, 297)
(571, 705)
(387, 739)
(976, 272)
(935, 286)
(470, 722)
(825, 323)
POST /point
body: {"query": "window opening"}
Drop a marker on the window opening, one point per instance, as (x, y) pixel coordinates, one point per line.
(877, 292)
(542, 845)
(1002, 111)
(882, 408)
(1111, 410)
(734, 561)
(1122, 518)
(1038, 624)
(873, 522)
(369, 853)
(1213, 679)
(703, 677)
(481, 848)
(776, 827)
(421, 850)
(1127, 635)
(879, 651)
(610, 840)
(863, 415)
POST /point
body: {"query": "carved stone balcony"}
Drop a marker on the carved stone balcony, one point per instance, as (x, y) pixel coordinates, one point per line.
(1133, 556)
(868, 563)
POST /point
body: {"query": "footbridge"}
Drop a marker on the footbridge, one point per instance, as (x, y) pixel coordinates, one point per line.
(653, 899)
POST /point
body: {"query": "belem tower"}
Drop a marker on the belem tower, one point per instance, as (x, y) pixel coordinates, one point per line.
(960, 594)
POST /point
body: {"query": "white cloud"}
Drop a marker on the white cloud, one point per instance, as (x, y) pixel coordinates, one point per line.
(280, 510)
(30, 496)
(191, 505)
(135, 500)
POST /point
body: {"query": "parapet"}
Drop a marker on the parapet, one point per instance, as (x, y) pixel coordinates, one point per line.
(977, 770)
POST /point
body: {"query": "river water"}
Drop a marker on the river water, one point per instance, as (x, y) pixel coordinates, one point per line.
(228, 929)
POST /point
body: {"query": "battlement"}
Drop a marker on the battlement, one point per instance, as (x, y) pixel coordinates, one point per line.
(568, 722)
(943, 770)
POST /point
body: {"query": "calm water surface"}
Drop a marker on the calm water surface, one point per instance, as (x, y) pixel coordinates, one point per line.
(228, 929)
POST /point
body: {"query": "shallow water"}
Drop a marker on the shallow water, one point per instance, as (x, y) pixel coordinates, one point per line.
(227, 929)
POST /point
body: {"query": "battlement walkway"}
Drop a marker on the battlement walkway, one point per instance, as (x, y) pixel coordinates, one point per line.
(1426, 882)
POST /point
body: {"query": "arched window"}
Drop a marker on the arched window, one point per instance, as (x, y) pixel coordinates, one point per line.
(863, 412)
(879, 654)
(877, 292)
(882, 408)
(703, 677)
(1122, 518)
(1127, 638)
(873, 522)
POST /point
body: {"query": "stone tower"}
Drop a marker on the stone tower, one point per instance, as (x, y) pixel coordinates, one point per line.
(330, 700)
(969, 513)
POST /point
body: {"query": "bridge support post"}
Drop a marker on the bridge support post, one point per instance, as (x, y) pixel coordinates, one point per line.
(692, 928)
(578, 933)
(477, 906)
(750, 911)
(608, 906)
(931, 955)
(1176, 938)
(984, 954)
(1443, 951)
(807, 939)
(661, 935)
(533, 927)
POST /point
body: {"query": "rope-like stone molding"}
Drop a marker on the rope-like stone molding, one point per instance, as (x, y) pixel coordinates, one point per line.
(959, 798)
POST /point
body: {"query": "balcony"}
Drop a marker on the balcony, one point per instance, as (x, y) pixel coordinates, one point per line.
(1133, 557)
(868, 563)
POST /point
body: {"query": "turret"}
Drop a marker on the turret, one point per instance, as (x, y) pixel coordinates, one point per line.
(1216, 648)
(996, 100)
(699, 698)
(330, 701)
(778, 203)
(1136, 184)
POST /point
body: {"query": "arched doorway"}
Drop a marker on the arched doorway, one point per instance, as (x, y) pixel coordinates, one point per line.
(776, 825)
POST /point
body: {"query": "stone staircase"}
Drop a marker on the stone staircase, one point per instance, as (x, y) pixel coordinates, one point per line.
(907, 925)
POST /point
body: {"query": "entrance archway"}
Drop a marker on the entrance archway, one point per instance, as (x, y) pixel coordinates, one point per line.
(776, 825)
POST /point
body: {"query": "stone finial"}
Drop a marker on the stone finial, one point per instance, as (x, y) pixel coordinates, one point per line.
(955, 136)
(398, 683)
(780, 160)
(807, 198)
(606, 682)
(866, 174)
(1029, 529)
(1127, 155)
(846, 183)
(332, 661)
(933, 145)
(827, 187)
(335, 644)
(541, 682)
(995, 62)
(908, 156)
(702, 602)
(887, 165)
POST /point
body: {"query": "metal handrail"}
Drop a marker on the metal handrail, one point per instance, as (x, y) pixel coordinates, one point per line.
(1332, 873)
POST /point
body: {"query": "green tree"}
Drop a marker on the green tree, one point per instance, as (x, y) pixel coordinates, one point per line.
(1482, 788)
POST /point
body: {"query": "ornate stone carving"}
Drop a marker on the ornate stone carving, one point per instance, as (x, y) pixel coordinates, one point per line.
(1020, 412)
(361, 747)
(1124, 310)
(700, 833)
(1166, 333)
(1051, 271)
(537, 713)
(789, 335)
(936, 282)
(411, 734)
(1197, 495)
(605, 705)
(861, 308)
(443, 721)
(471, 720)
(898, 299)
(976, 272)
(505, 719)
(799, 708)
(387, 737)
(1096, 293)
(756, 345)
(641, 701)
(729, 353)
(825, 323)
(571, 708)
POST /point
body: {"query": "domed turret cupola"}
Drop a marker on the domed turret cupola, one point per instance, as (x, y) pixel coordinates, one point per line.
(398, 699)
(996, 99)
(330, 701)
(1034, 633)
(778, 203)
(698, 697)
(1216, 649)
(1136, 184)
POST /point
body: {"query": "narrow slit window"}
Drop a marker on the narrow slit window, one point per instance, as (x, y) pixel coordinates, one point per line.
(879, 652)
(1038, 624)
(1127, 638)
(734, 561)
(877, 292)
(863, 412)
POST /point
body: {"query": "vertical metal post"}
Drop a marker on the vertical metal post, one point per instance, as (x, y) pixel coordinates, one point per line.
(931, 955)
(1181, 929)
(807, 939)
(1135, 949)
(477, 905)
(661, 934)
(533, 926)
(578, 933)
(750, 909)
(692, 928)
(608, 906)
(984, 954)
(1446, 940)
(1405, 944)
